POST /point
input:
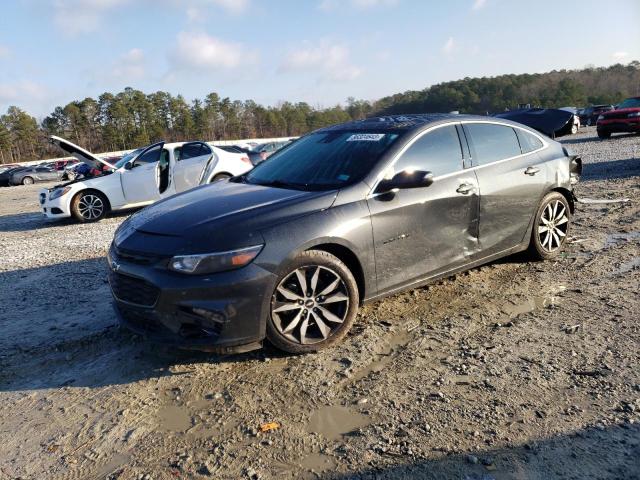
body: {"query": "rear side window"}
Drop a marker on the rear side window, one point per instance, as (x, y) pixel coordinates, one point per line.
(438, 152)
(528, 141)
(190, 150)
(492, 142)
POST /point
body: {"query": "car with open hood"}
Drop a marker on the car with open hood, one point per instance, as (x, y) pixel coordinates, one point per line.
(345, 215)
(140, 178)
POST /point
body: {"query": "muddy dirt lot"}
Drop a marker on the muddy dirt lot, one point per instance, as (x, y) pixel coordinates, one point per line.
(513, 370)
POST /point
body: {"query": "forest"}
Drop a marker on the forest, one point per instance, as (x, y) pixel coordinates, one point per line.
(132, 118)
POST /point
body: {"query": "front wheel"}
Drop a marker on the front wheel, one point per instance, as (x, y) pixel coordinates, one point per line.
(550, 227)
(89, 206)
(220, 177)
(314, 304)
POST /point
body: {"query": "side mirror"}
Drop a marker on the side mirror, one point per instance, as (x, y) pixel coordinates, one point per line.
(406, 179)
(128, 165)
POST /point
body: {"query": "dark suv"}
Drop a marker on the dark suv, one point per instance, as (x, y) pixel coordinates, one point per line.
(345, 215)
(625, 118)
(589, 115)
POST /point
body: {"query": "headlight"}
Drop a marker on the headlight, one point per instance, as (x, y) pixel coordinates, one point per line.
(600, 117)
(214, 262)
(633, 115)
(58, 192)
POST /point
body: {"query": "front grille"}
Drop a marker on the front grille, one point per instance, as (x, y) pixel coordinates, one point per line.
(612, 115)
(133, 290)
(133, 257)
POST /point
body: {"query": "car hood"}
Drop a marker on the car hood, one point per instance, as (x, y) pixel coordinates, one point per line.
(217, 217)
(619, 111)
(80, 153)
(550, 121)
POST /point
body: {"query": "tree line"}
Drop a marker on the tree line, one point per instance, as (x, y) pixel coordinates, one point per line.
(131, 118)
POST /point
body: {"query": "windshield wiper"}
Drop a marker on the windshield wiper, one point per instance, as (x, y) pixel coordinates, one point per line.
(283, 184)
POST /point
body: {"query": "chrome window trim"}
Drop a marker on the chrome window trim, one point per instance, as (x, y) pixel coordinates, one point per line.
(392, 162)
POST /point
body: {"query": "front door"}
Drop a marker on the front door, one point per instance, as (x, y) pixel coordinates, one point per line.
(140, 176)
(424, 231)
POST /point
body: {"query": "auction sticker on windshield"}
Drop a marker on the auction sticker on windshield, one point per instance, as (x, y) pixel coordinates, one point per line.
(366, 137)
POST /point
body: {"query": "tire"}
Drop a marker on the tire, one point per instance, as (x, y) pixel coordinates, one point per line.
(89, 206)
(27, 181)
(550, 227)
(300, 322)
(220, 177)
(604, 134)
(574, 129)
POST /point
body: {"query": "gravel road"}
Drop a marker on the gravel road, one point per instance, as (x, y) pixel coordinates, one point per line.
(512, 370)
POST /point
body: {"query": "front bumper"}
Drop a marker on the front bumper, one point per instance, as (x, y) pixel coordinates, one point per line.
(224, 312)
(58, 208)
(619, 126)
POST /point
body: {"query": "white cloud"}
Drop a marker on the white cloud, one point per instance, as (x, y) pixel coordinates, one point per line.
(329, 61)
(199, 51)
(620, 55)
(5, 52)
(130, 66)
(76, 17)
(449, 46)
(328, 5)
(478, 4)
(231, 6)
(21, 92)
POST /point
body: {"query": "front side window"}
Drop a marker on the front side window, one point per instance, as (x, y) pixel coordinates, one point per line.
(528, 141)
(150, 156)
(492, 142)
(438, 152)
(323, 160)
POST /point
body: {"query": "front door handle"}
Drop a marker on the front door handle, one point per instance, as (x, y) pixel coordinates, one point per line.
(465, 188)
(531, 171)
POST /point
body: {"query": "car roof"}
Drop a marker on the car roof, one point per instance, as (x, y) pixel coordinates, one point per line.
(403, 123)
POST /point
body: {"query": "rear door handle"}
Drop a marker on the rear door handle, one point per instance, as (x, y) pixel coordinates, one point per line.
(464, 188)
(531, 171)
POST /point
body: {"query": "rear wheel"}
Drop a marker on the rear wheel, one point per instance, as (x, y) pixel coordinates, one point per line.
(27, 181)
(314, 304)
(89, 206)
(604, 134)
(220, 177)
(550, 227)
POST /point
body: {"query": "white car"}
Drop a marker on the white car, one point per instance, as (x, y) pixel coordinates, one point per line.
(140, 178)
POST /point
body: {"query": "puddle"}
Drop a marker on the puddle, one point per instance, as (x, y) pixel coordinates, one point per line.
(175, 419)
(116, 461)
(318, 462)
(391, 343)
(531, 304)
(334, 421)
(627, 267)
(614, 239)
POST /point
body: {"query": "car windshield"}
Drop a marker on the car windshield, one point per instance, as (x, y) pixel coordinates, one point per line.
(630, 103)
(129, 156)
(323, 160)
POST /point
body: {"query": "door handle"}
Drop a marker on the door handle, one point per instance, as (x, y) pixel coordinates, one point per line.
(464, 188)
(531, 171)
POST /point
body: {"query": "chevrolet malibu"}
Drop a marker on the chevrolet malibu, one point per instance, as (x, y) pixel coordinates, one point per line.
(345, 215)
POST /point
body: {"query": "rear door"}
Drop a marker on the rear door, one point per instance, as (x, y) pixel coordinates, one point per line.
(422, 231)
(511, 178)
(139, 183)
(191, 158)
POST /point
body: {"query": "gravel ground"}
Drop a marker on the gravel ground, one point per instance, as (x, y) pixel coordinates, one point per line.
(511, 370)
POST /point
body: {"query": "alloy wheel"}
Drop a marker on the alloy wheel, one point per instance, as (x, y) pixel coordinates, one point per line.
(552, 228)
(309, 304)
(90, 206)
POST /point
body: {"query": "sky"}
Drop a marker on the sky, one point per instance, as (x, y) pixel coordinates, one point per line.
(317, 51)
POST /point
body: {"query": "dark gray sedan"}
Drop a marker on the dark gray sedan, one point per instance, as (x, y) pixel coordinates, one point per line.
(345, 215)
(31, 175)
